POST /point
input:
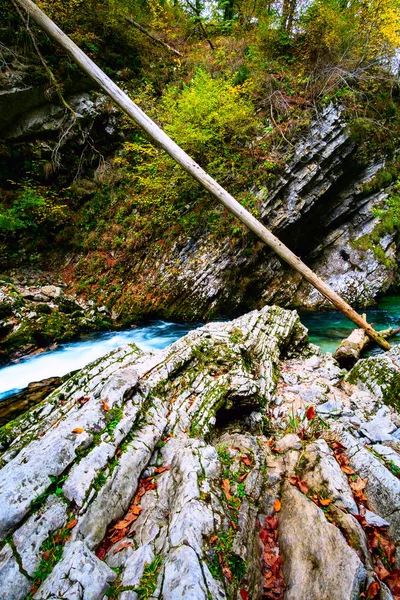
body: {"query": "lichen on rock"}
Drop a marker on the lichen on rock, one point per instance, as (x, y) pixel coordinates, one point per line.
(158, 474)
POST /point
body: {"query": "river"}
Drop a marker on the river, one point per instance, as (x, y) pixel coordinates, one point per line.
(326, 329)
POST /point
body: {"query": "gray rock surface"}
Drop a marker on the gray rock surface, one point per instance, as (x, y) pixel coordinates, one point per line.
(167, 435)
(317, 561)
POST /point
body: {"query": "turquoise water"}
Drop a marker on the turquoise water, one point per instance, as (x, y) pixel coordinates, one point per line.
(326, 329)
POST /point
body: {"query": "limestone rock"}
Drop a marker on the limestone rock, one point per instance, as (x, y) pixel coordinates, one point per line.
(379, 375)
(51, 291)
(288, 442)
(317, 561)
(79, 575)
(158, 470)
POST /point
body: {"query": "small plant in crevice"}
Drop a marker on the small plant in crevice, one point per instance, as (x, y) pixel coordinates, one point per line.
(148, 581)
(51, 553)
(54, 488)
(113, 417)
(307, 426)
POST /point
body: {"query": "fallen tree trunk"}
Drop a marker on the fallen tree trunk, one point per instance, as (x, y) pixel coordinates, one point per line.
(191, 167)
(350, 349)
(152, 37)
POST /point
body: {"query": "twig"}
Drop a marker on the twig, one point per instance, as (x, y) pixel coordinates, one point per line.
(152, 37)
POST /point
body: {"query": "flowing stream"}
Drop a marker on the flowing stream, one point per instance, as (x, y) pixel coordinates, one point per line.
(326, 329)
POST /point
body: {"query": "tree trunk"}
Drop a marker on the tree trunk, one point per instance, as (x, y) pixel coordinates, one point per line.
(191, 167)
(350, 349)
(152, 37)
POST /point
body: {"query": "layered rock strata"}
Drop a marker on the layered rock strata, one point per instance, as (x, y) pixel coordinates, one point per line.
(187, 473)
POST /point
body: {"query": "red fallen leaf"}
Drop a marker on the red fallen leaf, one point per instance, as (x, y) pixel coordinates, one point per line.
(71, 524)
(213, 539)
(272, 522)
(162, 469)
(244, 595)
(242, 477)
(46, 555)
(293, 480)
(122, 546)
(83, 399)
(303, 487)
(310, 413)
(246, 461)
(381, 572)
(228, 574)
(233, 525)
(105, 405)
(78, 430)
(264, 535)
(373, 590)
(393, 581)
(338, 446)
(226, 486)
(277, 505)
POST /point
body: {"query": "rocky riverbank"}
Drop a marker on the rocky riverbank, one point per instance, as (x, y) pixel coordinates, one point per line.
(237, 463)
(35, 314)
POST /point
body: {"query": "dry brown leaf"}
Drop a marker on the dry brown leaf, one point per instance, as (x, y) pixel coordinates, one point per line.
(325, 501)
(358, 484)
(122, 546)
(347, 470)
(78, 430)
(373, 590)
(105, 405)
(382, 572)
(228, 573)
(277, 505)
(226, 486)
(303, 487)
(213, 539)
(83, 399)
(162, 469)
(393, 581)
(338, 446)
(293, 480)
(242, 477)
(71, 524)
(246, 461)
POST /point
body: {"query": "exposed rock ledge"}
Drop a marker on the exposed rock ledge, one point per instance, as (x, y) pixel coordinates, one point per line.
(158, 475)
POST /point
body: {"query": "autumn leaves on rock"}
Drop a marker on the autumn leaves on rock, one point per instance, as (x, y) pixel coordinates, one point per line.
(226, 466)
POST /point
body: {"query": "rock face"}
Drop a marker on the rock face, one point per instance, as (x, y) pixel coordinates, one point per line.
(33, 316)
(319, 207)
(195, 473)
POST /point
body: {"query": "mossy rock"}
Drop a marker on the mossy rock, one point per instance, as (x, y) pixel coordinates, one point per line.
(379, 375)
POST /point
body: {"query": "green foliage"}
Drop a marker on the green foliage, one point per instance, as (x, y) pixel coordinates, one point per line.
(52, 551)
(394, 468)
(207, 115)
(388, 214)
(54, 488)
(148, 581)
(31, 209)
(113, 417)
